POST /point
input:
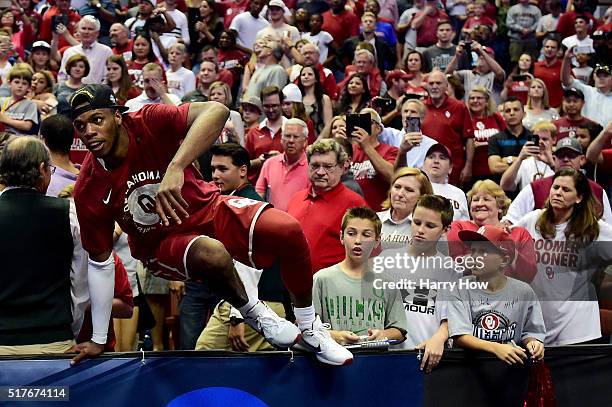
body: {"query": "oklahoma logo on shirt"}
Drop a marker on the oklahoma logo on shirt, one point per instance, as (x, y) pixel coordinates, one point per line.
(493, 326)
(140, 200)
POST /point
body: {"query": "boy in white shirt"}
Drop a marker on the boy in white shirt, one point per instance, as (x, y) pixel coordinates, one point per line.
(180, 80)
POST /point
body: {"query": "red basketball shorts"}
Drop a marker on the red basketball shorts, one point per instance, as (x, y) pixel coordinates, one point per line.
(229, 219)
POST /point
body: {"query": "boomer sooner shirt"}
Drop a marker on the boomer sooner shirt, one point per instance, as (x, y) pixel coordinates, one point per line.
(126, 194)
(510, 314)
(563, 281)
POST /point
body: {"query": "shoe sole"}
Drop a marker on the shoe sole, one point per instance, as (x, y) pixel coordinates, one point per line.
(329, 362)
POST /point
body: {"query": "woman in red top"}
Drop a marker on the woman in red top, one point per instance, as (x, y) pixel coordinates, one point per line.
(486, 122)
(488, 203)
(416, 69)
(118, 78)
(142, 54)
(517, 83)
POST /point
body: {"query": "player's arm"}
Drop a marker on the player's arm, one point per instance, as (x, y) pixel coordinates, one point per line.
(101, 281)
(205, 120)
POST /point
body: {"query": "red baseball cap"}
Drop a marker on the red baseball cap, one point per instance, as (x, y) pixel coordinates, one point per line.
(395, 74)
(441, 148)
(499, 239)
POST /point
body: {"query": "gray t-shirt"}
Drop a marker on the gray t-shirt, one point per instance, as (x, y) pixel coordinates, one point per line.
(355, 305)
(269, 75)
(439, 57)
(24, 110)
(425, 300)
(513, 313)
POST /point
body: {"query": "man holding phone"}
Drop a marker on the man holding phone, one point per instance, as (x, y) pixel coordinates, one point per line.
(535, 161)
(58, 13)
(412, 143)
(373, 161)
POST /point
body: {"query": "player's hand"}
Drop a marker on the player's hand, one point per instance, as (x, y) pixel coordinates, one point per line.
(84, 350)
(375, 335)
(509, 353)
(169, 203)
(434, 348)
(235, 336)
(536, 349)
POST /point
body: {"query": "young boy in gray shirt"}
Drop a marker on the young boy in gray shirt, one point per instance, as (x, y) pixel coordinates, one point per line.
(349, 297)
(491, 312)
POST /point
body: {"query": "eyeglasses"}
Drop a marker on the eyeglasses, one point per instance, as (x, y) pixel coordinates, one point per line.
(291, 137)
(52, 168)
(270, 107)
(328, 168)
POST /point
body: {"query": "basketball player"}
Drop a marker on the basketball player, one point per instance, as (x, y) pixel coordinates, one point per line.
(140, 173)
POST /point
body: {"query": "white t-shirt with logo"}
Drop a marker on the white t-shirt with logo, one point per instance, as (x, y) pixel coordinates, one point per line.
(457, 198)
(563, 281)
(180, 82)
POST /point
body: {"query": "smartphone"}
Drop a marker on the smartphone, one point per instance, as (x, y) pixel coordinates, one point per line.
(383, 103)
(58, 19)
(584, 49)
(520, 78)
(535, 139)
(467, 46)
(358, 120)
(413, 125)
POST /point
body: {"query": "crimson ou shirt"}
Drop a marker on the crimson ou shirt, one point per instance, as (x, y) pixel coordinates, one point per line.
(126, 194)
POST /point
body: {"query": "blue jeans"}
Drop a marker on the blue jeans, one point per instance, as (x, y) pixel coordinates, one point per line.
(196, 307)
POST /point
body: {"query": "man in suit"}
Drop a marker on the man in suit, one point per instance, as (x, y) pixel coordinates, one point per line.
(39, 245)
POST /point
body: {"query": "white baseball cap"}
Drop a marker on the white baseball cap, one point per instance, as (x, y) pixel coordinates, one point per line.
(292, 93)
(276, 3)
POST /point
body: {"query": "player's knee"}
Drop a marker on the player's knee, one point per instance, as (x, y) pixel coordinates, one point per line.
(208, 255)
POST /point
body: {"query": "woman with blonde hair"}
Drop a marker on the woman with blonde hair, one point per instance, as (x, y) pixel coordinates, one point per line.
(537, 107)
(486, 122)
(571, 248)
(336, 128)
(488, 203)
(234, 127)
(407, 185)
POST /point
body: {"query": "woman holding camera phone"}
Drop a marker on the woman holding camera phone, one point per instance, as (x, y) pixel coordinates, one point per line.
(537, 108)
(517, 83)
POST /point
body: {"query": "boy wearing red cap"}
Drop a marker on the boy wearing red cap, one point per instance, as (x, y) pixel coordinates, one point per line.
(491, 312)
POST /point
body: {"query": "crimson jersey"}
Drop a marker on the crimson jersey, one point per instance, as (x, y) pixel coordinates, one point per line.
(127, 194)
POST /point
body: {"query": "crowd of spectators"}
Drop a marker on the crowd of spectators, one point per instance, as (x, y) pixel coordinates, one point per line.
(447, 118)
